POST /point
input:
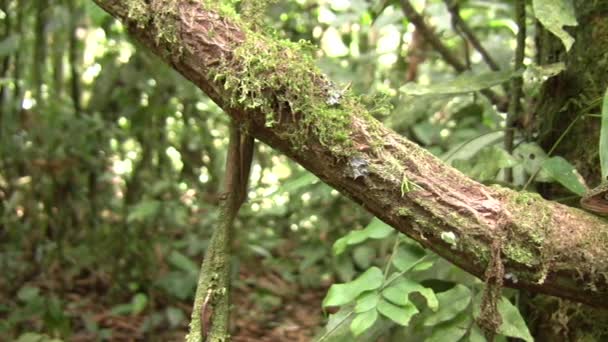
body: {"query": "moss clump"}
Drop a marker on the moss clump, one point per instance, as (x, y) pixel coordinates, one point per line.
(278, 77)
(162, 15)
(520, 255)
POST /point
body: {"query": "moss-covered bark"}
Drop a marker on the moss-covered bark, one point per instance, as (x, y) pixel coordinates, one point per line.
(281, 99)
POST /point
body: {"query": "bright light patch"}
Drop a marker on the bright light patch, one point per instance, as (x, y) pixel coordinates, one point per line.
(90, 73)
(305, 197)
(326, 16)
(332, 43)
(122, 167)
(28, 102)
(204, 176)
(175, 157)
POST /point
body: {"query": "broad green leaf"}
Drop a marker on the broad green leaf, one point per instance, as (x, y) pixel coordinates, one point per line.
(376, 229)
(540, 73)
(604, 138)
(554, 15)
(513, 324)
(182, 262)
(463, 83)
(407, 256)
(363, 256)
(532, 157)
(398, 314)
(452, 330)
(476, 335)
(363, 321)
(565, 174)
(399, 292)
(451, 303)
(469, 148)
(367, 301)
(340, 294)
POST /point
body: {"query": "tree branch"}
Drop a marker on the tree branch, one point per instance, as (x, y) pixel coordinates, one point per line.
(549, 248)
(443, 50)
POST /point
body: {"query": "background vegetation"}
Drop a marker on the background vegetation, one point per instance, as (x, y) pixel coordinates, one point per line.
(110, 165)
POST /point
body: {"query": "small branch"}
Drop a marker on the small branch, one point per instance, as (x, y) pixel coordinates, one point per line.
(443, 50)
(211, 312)
(516, 83)
(468, 33)
(73, 56)
(430, 37)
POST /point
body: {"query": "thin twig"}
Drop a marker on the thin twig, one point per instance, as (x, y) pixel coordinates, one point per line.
(516, 83)
(418, 21)
(471, 37)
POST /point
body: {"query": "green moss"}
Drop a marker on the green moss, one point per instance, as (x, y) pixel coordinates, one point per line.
(279, 76)
(520, 255)
(161, 14)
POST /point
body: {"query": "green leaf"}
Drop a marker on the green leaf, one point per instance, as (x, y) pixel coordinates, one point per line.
(487, 163)
(476, 334)
(604, 138)
(138, 303)
(464, 83)
(376, 229)
(451, 303)
(452, 330)
(565, 174)
(363, 256)
(399, 292)
(554, 15)
(513, 325)
(532, 157)
(469, 148)
(340, 294)
(367, 301)
(143, 210)
(398, 314)
(34, 337)
(27, 293)
(292, 185)
(407, 256)
(183, 263)
(363, 321)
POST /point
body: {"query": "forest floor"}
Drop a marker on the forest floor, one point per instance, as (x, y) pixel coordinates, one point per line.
(266, 308)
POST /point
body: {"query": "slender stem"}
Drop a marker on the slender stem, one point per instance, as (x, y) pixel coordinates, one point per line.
(516, 83)
(390, 259)
(331, 331)
(468, 33)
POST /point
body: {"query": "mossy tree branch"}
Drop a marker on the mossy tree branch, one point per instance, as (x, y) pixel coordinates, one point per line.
(273, 90)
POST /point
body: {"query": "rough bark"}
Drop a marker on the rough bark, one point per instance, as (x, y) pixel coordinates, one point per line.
(545, 247)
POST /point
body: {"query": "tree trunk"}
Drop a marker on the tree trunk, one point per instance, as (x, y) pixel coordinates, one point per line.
(274, 91)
